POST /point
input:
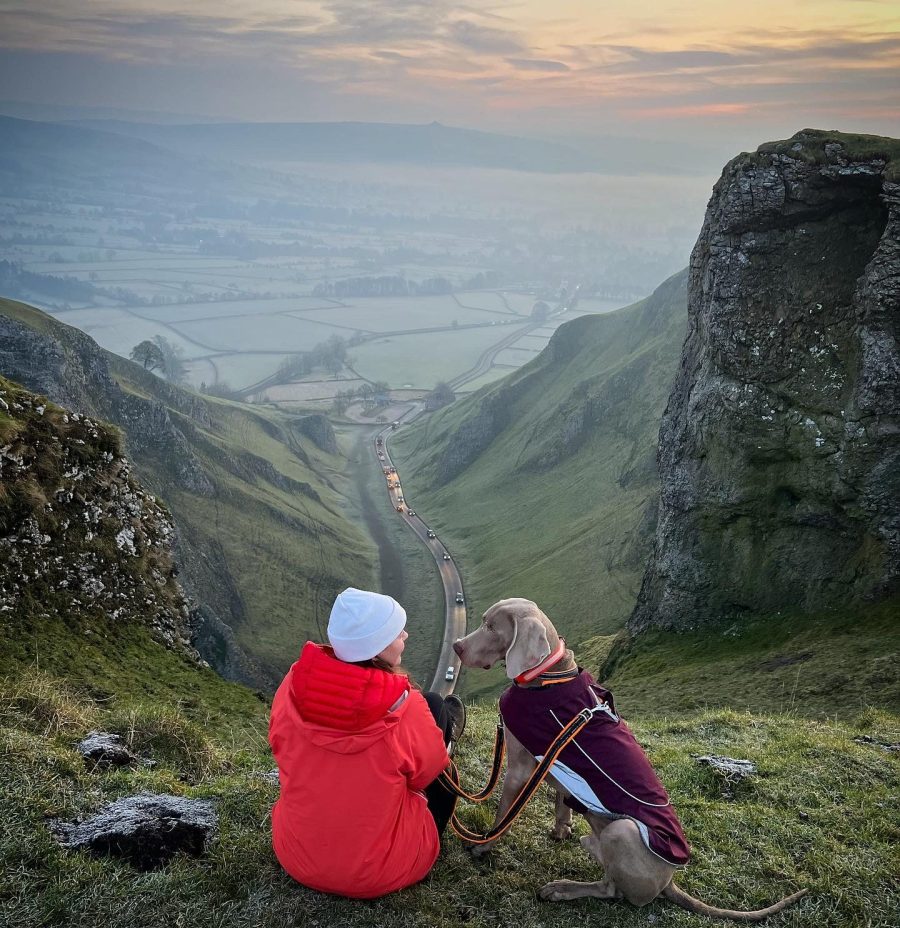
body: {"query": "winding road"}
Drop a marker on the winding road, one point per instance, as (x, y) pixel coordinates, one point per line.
(454, 612)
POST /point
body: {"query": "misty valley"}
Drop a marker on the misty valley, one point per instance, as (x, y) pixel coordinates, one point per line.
(239, 267)
(267, 390)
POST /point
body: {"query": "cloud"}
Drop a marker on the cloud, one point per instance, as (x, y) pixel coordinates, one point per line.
(483, 39)
(537, 64)
(446, 58)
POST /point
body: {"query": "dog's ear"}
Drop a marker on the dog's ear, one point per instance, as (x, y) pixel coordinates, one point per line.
(529, 647)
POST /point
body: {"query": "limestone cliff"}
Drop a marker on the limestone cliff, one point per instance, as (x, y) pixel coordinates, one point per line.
(779, 450)
(81, 541)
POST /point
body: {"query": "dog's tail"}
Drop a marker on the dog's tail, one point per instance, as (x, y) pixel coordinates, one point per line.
(681, 898)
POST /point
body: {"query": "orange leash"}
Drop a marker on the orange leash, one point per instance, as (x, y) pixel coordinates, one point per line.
(450, 780)
(538, 775)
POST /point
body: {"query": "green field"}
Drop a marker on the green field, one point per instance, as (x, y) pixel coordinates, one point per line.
(183, 312)
(250, 333)
(516, 356)
(493, 375)
(382, 314)
(424, 359)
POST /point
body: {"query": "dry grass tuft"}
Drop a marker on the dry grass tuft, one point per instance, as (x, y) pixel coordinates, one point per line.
(40, 703)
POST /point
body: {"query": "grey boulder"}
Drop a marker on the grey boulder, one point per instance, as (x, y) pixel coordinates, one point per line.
(147, 829)
(105, 749)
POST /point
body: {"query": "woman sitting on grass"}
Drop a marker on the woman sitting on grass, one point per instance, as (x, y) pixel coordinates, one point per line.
(358, 751)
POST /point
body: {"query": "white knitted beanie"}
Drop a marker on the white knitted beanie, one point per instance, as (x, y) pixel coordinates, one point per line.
(363, 624)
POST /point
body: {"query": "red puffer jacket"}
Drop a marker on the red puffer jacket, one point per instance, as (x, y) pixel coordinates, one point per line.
(351, 818)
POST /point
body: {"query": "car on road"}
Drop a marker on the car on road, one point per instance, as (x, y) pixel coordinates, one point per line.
(412, 512)
(430, 534)
(446, 556)
(399, 507)
(459, 599)
(451, 673)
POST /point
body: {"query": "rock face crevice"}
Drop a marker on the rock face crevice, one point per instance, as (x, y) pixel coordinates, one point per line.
(779, 450)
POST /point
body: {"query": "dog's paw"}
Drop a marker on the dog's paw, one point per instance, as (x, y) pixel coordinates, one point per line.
(561, 832)
(557, 891)
(478, 851)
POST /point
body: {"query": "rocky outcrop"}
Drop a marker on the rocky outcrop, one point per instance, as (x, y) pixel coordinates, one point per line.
(147, 829)
(168, 432)
(478, 430)
(74, 372)
(474, 435)
(80, 539)
(105, 750)
(318, 429)
(779, 450)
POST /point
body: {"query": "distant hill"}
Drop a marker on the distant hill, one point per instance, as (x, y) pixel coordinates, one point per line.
(263, 544)
(544, 484)
(432, 144)
(41, 155)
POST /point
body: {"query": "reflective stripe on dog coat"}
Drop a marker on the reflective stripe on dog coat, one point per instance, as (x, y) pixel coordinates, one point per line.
(604, 768)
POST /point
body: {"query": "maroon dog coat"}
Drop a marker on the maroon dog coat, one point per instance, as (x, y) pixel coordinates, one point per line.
(604, 769)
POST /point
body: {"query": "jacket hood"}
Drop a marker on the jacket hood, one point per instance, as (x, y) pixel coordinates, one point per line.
(344, 705)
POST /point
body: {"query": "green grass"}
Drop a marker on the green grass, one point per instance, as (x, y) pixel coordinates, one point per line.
(121, 662)
(822, 813)
(826, 665)
(857, 146)
(555, 508)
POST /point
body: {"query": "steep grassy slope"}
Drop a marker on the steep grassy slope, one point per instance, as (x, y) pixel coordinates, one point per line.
(87, 580)
(544, 484)
(257, 496)
(825, 665)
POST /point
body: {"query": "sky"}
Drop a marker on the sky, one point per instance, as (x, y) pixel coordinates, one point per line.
(706, 70)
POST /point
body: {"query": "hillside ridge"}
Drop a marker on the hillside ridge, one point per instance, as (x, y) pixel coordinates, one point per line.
(262, 538)
(543, 485)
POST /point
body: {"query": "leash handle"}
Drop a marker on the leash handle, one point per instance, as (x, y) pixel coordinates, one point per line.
(450, 781)
(538, 775)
